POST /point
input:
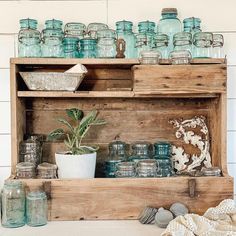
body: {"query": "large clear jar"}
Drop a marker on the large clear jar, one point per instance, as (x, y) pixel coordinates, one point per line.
(71, 47)
(75, 30)
(169, 24)
(182, 41)
(13, 204)
(125, 170)
(106, 45)
(93, 28)
(124, 31)
(36, 208)
(47, 171)
(160, 44)
(192, 25)
(202, 42)
(217, 46)
(25, 170)
(118, 152)
(88, 48)
(147, 168)
(29, 39)
(141, 150)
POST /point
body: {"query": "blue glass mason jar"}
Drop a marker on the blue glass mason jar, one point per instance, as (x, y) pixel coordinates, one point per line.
(93, 28)
(124, 31)
(75, 30)
(29, 39)
(88, 48)
(169, 24)
(13, 204)
(202, 45)
(182, 41)
(160, 43)
(192, 25)
(71, 47)
(53, 24)
(36, 209)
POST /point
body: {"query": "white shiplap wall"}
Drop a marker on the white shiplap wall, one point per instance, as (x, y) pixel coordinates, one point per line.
(217, 16)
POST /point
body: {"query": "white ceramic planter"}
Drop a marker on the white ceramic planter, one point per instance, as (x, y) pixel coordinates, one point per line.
(76, 166)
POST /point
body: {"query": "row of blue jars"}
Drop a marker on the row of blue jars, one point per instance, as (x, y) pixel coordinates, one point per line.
(19, 209)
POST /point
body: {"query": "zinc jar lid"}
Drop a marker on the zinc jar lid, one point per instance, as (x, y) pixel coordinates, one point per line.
(46, 166)
(169, 11)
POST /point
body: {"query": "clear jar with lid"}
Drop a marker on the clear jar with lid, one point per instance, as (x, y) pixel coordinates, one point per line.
(147, 168)
(88, 48)
(124, 31)
(47, 171)
(182, 41)
(180, 57)
(160, 43)
(217, 46)
(202, 42)
(192, 25)
(125, 170)
(13, 204)
(75, 30)
(94, 27)
(25, 170)
(29, 39)
(71, 47)
(36, 208)
(150, 57)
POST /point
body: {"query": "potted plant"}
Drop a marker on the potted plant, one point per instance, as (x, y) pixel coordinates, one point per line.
(79, 161)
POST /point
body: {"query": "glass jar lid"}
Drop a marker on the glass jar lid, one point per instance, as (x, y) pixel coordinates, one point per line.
(124, 25)
(13, 183)
(74, 26)
(218, 40)
(150, 54)
(47, 166)
(125, 166)
(182, 38)
(106, 33)
(169, 11)
(146, 26)
(28, 23)
(160, 40)
(25, 166)
(52, 33)
(36, 195)
(53, 24)
(192, 22)
(29, 34)
(117, 145)
(147, 163)
(203, 39)
(211, 171)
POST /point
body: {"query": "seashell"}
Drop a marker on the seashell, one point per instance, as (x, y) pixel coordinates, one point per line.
(179, 209)
(163, 217)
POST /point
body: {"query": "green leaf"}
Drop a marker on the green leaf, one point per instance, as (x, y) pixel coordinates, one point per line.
(99, 122)
(75, 114)
(55, 134)
(86, 122)
(65, 122)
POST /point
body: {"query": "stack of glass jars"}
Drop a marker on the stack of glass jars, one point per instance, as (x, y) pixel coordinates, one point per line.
(52, 36)
(124, 31)
(29, 39)
(93, 28)
(162, 153)
(147, 168)
(118, 152)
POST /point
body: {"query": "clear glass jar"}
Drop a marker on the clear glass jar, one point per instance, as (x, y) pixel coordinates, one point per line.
(160, 43)
(29, 39)
(125, 170)
(94, 27)
(118, 152)
(212, 171)
(71, 47)
(180, 57)
(192, 25)
(75, 30)
(30, 151)
(169, 24)
(162, 150)
(88, 48)
(106, 45)
(25, 170)
(52, 45)
(36, 209)
(202, 42)
(217, 46)
(147, 168)
(124, 31)
(182, 41)
(13, 204)
(150, 57)
(47, 171)
(165, 168)
(54, 24)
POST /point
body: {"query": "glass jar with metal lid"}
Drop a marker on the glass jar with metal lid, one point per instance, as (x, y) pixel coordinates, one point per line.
(192, 25)
(125, 170)
(147, 168)
(180, 57)
(88, 48)
(36, 208)
(25, 170)
(29, 39)
(182, 41)
(124, 31)
(150, 57)
(75, 30)
(47, 171)
(217, 46)
(202, 42)
(54, 24)
(13, 204)
(160, 43)
(94, 27)
(71, 47)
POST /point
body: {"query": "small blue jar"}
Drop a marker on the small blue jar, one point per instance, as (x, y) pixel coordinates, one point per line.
(71, 47)
(88, 48)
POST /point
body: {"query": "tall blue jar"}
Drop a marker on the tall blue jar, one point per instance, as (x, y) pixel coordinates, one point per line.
(124, 31)
(88, 48)
(13, 204)
(29, 39)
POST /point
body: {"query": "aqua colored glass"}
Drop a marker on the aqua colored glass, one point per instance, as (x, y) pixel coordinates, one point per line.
(53, 24)
(13, 204)
(146, 27)
(94, 27)
(182, 41)
(217, 46)
(192, 25)
(75, 30)
(71, 47)
(88, 48)
(52, 45)
(162, 150)
(165, 168)
(169, 24)
(203, 43)
(124, 31)
(36, 209)
(29, 39)
(143, 42)
(106, 45)
(160, 43)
